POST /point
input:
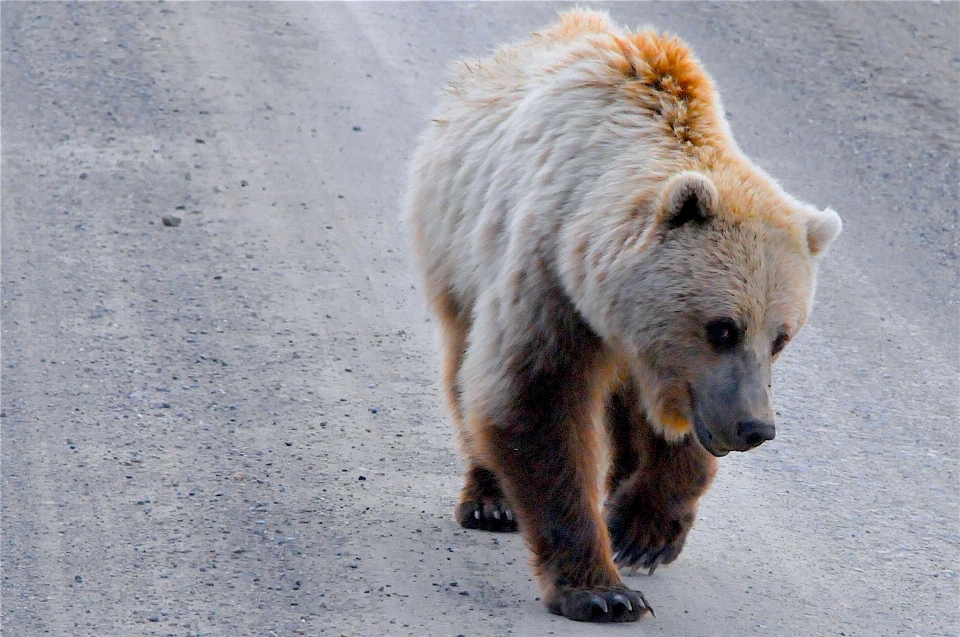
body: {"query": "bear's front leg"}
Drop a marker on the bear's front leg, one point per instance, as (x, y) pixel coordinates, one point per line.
(654, 487)
(532, 419)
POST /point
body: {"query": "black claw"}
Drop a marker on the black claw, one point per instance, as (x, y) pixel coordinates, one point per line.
(598, 602)
(628, 557)
(645, 557)
(646, 604)
(655, 559)
(468, 515)
(619, 599)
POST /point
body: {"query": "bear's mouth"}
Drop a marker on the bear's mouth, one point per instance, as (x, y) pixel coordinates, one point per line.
(702, 432)
(706, 439)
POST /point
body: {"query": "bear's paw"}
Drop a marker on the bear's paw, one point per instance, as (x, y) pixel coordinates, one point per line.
(487, 514)
(601, 605)
(646, 531)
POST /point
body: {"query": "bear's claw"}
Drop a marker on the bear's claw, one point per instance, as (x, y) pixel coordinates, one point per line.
(597, 603)
(620, 599)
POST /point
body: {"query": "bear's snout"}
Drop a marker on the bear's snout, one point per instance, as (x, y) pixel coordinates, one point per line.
(731, 405)
(754, 433)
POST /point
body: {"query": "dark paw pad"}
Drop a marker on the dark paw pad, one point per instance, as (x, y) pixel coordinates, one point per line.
(600, 605)
(490, 514)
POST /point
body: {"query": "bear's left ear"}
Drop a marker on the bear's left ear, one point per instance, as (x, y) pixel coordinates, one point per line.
(689, 197)
(823, 226)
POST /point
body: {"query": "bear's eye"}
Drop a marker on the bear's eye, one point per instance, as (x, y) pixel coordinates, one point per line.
(724, 334)
(779, 343)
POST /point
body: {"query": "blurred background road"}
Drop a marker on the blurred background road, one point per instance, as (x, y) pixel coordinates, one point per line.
(231, 425)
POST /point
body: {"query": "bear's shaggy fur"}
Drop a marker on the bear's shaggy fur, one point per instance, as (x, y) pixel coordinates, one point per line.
(598, 250)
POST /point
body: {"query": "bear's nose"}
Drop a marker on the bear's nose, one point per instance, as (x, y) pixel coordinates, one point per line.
(754, 433)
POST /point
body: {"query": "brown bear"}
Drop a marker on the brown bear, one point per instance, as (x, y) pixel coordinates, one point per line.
(613, 280)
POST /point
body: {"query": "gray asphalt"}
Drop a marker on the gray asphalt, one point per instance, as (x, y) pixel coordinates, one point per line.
(232, 426)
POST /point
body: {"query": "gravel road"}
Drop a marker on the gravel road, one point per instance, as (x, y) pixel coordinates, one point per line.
(231, 425)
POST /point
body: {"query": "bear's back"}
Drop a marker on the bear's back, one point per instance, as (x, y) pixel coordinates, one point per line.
(521, 137)
(653, 70)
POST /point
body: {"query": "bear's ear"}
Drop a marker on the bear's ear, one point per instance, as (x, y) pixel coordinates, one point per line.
(823, 226)
(688, 198)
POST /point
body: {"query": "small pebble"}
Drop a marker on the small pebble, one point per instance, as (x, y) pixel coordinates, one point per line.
(78, 579)
(171, 222)
(362, 478)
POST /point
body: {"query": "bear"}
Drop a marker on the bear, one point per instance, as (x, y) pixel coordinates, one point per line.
(613, 280)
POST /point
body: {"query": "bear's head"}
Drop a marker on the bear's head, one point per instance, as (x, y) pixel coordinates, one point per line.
(723, 280)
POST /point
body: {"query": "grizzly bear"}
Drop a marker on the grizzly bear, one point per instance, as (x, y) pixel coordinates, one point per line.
(613, 280)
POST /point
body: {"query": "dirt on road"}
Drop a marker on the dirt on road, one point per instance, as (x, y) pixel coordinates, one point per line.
(230, 424)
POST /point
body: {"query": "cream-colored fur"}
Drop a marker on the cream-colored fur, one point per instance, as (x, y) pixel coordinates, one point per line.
(546, 168)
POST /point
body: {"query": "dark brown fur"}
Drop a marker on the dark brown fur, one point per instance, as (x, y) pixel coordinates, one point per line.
(654, 486)
(543, 448)
(537, 463)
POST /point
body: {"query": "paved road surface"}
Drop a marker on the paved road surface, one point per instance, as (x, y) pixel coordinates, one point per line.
(232, 427)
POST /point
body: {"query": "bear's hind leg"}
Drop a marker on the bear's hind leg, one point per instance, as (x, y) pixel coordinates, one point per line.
(482, 502)
(653, 486)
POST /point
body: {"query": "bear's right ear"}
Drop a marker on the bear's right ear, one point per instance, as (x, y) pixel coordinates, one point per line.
(823, 226)
(687, 198)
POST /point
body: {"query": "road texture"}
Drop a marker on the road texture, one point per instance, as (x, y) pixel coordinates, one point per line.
(232, 426)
